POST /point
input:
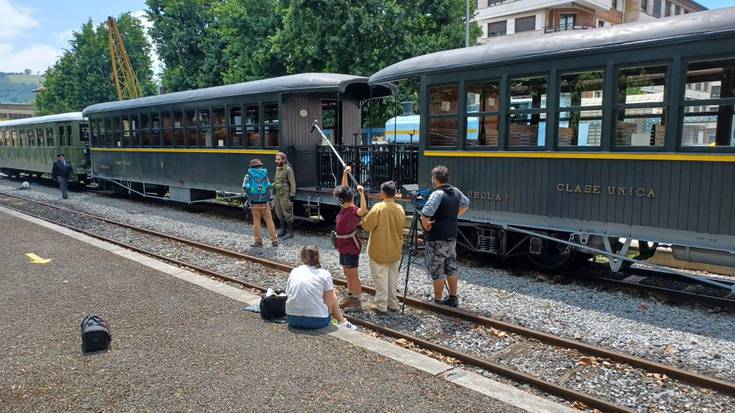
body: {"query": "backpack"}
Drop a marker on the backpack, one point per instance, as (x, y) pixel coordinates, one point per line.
(273, 305)
(257, 186)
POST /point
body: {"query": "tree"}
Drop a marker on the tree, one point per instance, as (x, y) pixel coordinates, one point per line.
(83, 74)
(187, 43)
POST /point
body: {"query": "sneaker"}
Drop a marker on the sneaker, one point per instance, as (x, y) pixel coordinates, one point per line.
(451, 301)
(257, 244)
(374, 307)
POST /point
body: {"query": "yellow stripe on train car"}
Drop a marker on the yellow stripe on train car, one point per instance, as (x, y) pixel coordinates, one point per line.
(567, 155)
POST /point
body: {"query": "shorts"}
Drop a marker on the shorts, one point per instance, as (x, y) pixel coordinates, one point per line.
(308, 323)
(441, 258)
(349, 260)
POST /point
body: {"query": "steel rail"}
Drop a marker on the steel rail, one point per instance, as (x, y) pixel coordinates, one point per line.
(549, 387)
(652, 366)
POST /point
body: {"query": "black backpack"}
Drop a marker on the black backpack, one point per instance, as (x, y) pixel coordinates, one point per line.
(95, 334)
(273, 307)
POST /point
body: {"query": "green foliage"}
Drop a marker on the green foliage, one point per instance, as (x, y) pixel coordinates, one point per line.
(17, 88)
(83, 75)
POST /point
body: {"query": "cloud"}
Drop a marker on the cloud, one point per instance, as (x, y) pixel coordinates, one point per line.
(64, 37)
(15, 20)
(37, 57)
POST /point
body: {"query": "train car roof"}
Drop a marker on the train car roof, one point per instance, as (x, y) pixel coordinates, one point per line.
(61, 117)
(549, 46)
(304, 82)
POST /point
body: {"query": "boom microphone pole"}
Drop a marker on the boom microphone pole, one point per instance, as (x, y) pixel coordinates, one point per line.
(315, 125)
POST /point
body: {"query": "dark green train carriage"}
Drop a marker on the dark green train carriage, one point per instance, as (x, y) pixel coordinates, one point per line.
(588, 137)
(29, 146)
(196, 143)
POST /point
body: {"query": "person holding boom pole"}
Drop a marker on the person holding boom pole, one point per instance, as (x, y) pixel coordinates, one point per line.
(348, 243)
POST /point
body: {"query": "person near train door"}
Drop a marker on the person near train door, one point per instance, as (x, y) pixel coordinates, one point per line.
(257, 188)
(284, 191)
(439, 218)
(60, 172)
(348, 242)
(385, 221)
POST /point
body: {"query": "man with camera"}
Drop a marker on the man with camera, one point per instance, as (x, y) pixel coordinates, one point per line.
(439, 217)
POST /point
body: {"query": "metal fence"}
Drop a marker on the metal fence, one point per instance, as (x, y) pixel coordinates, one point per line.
(371, 164)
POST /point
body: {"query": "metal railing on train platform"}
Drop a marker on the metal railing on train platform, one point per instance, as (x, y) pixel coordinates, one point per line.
(371, 164)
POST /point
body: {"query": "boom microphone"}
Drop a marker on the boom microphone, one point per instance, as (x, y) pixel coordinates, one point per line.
(313, 125)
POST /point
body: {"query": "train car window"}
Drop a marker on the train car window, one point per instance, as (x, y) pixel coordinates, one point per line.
(236, 130)
(205, 127)
(179, 136)
(192, 134)
(2, 137)
(640, 120)
(443, 110)
(16, 137)
(167, 130)
(83, 132)
(332, 120)
(69, 136)
(709, 110)
(220, 127)
(270, 124)
(155, 129)
(252, 126)
(482, 120)
(117, 132)
(145, 129)
(134, 128)
(527, 113)
(62, 134)
(49, 136)
(126, 132)
(580, 109)
(41, 137)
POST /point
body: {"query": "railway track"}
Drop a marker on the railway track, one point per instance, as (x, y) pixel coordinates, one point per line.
(36, 208)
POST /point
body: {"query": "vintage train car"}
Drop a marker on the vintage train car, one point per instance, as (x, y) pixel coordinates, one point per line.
(588, 137)
(29, 146)
(193, 144)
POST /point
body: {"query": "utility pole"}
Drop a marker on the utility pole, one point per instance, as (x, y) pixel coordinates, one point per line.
(467, 25)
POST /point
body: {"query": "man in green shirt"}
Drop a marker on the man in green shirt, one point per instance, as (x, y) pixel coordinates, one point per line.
(284, 191)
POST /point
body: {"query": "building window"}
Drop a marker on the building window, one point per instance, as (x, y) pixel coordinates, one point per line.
(657, 8)
(271, 126)
(526, 24)
(677, 10)
(497, 28)
(668, 9)
(566, 21)
(482, 120)
(640, 107)
(709, 117)
(614, 4)
(600, 23)
(580, 109)
(644, 6)
(527, 112)
(443, 109)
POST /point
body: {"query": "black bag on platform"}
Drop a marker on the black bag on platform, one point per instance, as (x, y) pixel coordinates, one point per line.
(95, 334)
(273, 306)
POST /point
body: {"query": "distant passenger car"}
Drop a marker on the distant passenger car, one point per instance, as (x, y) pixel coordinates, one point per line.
(29, 146)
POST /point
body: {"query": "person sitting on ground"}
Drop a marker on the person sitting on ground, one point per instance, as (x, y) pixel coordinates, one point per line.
(385, 221)
(349, 244)
(311, 301)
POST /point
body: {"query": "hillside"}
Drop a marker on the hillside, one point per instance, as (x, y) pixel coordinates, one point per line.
(18, 87)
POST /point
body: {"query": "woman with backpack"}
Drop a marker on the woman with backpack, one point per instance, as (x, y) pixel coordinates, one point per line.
(311, 302)
(347, 242)
(257, 188)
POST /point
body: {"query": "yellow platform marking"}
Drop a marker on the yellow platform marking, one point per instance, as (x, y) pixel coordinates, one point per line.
(567, 155)
(182, 150)
(35, 259)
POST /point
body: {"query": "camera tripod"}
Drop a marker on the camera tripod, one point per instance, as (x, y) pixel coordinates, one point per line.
(410, 249)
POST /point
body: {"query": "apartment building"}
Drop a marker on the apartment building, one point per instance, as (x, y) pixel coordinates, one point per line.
(12, 111)
(499, 18)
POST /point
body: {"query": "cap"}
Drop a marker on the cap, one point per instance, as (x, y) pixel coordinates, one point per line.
(256, 162)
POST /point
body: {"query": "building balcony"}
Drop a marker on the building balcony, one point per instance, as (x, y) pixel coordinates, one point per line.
(563, 28)
(500, 8)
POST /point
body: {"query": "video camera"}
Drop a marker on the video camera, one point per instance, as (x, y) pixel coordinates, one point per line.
(419, 197)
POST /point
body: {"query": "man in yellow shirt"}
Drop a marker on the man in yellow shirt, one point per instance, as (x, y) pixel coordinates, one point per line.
(385, 222)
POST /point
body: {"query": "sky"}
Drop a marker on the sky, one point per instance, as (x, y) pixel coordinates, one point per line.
(33, 33)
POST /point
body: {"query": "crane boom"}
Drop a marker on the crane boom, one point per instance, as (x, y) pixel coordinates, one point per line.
(126, 83)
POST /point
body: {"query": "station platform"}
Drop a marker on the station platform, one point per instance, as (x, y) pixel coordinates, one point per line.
(181, 342)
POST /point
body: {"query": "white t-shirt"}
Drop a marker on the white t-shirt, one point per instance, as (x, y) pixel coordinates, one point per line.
(305, 289)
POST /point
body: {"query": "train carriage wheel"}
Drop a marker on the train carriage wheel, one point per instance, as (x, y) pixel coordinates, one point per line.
(554, 255)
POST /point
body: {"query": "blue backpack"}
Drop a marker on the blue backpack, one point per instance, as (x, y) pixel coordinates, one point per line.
(257, 186)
